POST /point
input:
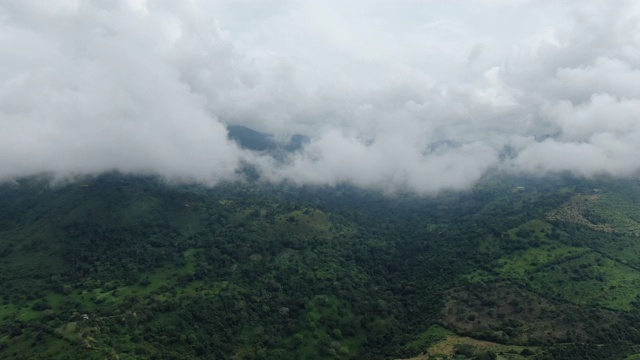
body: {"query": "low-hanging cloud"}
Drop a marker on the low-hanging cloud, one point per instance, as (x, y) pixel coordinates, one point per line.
(418, 96)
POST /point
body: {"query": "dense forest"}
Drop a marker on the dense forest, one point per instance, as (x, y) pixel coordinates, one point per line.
(129, 267)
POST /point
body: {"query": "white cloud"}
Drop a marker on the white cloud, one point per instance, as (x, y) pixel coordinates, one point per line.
(404, 95)
(92, 91)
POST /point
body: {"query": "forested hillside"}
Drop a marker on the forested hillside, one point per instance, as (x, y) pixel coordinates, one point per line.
(124, 267)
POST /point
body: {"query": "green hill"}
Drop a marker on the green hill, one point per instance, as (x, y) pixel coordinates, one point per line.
(123, 267)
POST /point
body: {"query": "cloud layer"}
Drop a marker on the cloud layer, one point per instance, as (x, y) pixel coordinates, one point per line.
(407, 94)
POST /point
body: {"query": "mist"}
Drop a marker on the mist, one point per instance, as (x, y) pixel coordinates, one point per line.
(417, 96)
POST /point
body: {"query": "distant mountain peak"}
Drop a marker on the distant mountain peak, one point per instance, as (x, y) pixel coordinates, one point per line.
(251, 139)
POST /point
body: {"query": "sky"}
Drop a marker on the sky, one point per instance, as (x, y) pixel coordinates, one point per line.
(408, 95)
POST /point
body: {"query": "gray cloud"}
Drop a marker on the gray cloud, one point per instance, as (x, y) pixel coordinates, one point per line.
(405, 95)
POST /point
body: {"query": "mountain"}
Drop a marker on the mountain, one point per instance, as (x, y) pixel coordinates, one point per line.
(126, 267)
(254, 140)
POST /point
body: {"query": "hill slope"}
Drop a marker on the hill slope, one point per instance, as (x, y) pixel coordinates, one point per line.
(128, 267)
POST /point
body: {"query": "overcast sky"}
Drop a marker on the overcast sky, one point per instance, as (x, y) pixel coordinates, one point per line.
(404, 94)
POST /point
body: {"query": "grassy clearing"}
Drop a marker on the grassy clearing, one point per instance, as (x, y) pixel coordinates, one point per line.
(432, 335)
(619, 211)
(56, 349)
(450, 345)
(21, 313)
(590, 280)
(608, 210)
(522, 265)
(535, 259)
(576, 274)
(96, 294)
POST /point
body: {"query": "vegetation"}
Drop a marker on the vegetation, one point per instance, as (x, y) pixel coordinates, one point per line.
(121, 267)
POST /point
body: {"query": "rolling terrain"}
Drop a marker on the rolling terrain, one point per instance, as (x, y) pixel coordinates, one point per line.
(125, 267)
